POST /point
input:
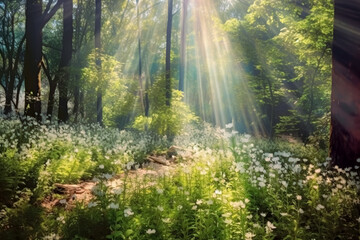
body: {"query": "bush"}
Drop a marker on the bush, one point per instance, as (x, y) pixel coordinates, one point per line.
(164, 120)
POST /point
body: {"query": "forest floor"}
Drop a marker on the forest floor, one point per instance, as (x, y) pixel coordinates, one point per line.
(83, 192)
(88, 182)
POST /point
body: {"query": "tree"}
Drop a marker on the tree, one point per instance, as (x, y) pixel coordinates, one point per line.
(35, 21)
(146, 109)
(99, 116)
(66, 54)
(183, 44)
(33, 57)
(168, 52)
(345, 98)
(11, 50)
(83, 35)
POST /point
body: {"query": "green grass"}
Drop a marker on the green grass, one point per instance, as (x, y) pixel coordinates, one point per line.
(231, 188)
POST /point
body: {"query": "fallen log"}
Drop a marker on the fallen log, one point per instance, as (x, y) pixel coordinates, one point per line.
(158, 159)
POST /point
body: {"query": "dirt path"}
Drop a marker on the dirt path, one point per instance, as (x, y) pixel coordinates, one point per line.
(67, 195)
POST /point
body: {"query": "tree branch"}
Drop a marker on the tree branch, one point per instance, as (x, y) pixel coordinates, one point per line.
(48, 15)
(46, 69)
(47, 7)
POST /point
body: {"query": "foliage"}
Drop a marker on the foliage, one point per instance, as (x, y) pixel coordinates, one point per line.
(118, 97)
(164, 120)
(285, 51)
(231, 187)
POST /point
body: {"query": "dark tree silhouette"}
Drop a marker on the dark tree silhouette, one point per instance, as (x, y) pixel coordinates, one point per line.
(183, 45)
(98, 61)
(168, 52)
(66, 54)
(345, 99)
(35, 21)
(33, 56)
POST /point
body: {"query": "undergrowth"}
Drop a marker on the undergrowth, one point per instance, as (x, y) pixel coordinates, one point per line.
(230, 187)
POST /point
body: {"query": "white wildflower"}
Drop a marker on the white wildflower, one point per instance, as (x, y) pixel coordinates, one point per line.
(249, 236)
(128, 212)
(319, 207)
(269, 227)
(218, 192)
(226, 215)
(113, 206)
(150, 231)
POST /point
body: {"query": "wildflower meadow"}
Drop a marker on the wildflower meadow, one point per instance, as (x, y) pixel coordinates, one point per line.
(218, 185)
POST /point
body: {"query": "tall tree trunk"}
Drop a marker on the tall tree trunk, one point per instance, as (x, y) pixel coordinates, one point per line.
(141, 95)
(76, 98)
(33, 55)
(13, 72)
(66, 54)
(18, 90)
(51, 100)
(168, 52)
(345, 99)
(99, 115)
(183, 45)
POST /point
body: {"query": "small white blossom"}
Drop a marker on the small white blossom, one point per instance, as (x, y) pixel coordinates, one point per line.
(113, 206)
(319, 207)
(269, 227)
(228, 221)
(218, 192)
(249, 236)
(150, 231)
(128, 212)
(226, 215)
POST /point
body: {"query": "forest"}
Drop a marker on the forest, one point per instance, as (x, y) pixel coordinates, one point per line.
(179, 119)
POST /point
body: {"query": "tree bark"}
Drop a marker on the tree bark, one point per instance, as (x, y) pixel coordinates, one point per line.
(51, 100)
(168, 52)
(345, 99)
(183, 45)
(66, 54)
(99, 115)
(33, 56)
(141, 94)
(13, 72)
